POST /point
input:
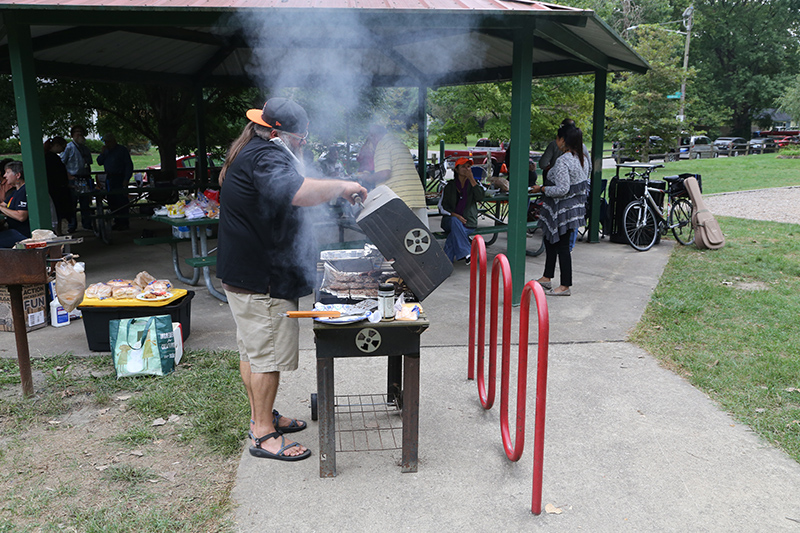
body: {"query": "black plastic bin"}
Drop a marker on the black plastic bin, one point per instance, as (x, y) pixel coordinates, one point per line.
(95, 319)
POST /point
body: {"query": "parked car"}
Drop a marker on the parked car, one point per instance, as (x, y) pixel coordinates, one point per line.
(697, 146)
(788, 141)
(658, 147)
(731, 146)
(186, 164)
(763, 145)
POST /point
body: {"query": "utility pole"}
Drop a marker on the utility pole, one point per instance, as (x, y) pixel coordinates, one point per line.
(687, 22)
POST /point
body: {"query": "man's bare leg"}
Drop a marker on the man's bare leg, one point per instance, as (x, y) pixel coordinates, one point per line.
(264, 388)
(244, 371)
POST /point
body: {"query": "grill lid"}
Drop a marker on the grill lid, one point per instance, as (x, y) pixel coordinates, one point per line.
(401, 237)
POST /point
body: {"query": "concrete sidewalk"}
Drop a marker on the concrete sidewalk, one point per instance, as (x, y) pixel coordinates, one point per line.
(629, 445)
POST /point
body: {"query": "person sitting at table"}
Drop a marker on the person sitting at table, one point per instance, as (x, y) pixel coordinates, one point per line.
(116, 161)
(16, 209)
(459, 207)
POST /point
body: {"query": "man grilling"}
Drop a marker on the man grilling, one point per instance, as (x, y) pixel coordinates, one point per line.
(267, 258)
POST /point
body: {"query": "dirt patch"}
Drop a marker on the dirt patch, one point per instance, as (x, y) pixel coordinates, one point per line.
(67, 471)
(751, 285)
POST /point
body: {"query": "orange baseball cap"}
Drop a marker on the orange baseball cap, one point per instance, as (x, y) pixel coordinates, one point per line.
(463, 161)
(282, 114)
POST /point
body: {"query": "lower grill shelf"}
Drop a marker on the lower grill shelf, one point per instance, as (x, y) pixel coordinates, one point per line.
(367, 422)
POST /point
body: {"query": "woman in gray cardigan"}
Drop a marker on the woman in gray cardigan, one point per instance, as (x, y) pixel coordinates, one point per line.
(564, 209)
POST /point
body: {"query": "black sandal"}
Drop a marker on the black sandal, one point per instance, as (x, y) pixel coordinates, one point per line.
(295, 426)
(258, 451)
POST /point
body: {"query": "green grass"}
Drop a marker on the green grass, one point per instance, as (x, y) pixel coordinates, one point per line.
(207, 391)
(725, 320)
(726, 174)
(140, 161)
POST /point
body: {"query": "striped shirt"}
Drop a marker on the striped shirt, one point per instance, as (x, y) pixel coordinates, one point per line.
(393, 155)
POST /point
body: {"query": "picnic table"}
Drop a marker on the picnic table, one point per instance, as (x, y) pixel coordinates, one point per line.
(140, 202)
(202, 258)
(494, 207)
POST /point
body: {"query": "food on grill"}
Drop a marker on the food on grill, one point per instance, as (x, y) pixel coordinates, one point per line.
(354, 285)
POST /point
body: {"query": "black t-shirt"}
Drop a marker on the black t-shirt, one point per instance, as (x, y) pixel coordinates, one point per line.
(19, 202)
(266, 245)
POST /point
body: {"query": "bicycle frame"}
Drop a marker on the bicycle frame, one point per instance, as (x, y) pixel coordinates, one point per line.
(660, 213)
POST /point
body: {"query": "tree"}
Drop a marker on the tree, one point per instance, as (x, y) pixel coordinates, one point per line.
(163, 114)
(643, 109)
(790, 101)
(747, 51)
(486, 109)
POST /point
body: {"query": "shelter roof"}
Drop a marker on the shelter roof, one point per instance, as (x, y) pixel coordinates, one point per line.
(303, 42)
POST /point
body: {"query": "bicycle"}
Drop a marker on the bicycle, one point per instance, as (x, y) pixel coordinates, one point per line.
(644, 219)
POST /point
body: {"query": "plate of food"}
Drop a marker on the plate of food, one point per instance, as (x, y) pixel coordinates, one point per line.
(153, 296)
(176, 215)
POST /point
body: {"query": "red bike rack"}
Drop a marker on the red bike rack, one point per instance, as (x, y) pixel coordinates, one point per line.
(501, 265)
(541, 387)
(477, 318)
(477, 277)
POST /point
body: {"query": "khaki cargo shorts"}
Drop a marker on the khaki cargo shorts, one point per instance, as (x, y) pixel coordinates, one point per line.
(269, 342)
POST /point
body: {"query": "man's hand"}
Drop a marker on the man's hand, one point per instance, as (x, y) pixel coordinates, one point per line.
(460, 218)
(354, 190)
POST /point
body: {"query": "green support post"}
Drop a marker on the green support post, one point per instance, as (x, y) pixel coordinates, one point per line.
(521, 81)
(422, 117)
(598, 136)
(26, 98)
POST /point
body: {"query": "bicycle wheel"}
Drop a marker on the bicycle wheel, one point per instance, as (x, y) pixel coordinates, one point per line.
(641, 228)
(680, 220)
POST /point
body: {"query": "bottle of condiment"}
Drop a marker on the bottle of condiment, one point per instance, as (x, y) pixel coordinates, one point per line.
(386, 301)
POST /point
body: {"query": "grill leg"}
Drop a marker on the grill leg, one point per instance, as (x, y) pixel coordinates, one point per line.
(327, 416)
(411, 413)
(394, 380)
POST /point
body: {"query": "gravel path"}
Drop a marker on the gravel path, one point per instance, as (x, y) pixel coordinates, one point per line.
(780, 204)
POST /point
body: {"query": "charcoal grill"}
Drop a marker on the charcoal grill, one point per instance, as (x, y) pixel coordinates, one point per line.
(368, 422)
(390, 421)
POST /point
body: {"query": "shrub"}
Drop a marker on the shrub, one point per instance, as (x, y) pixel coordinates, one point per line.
(10, 146)
(790, 150)
(94, 145)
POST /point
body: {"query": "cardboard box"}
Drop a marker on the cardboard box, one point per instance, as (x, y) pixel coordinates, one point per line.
(34, 300)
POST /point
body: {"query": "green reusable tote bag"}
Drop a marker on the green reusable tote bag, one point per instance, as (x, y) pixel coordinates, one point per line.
(143, 346)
